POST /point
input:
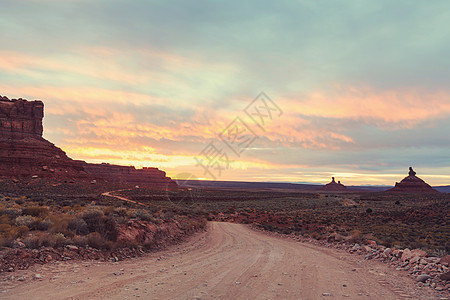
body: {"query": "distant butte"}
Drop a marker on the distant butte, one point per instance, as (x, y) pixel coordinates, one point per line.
(412, 184)
(334, 186)
(24, 153)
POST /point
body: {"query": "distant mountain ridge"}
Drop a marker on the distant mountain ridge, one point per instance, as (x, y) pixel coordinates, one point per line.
(286, 185)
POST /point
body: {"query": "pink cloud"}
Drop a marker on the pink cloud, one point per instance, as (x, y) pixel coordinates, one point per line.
(398, 108)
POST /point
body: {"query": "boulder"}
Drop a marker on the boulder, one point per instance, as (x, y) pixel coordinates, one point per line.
(406, 255)
(445, 276)
(418, 252)
(335, 237)
(423, 277)
(445, 259)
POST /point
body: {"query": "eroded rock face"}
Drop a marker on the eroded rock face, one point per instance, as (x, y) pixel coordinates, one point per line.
(20, 118)
(129, 175)
(412, 184)
(23, 150)
(334, 186)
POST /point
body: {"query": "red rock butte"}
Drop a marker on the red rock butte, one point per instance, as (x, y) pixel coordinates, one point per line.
(23, 150)
(334, 186)
(25, 153)
(412, 184)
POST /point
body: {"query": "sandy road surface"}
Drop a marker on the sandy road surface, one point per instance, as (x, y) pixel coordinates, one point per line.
(228, 261)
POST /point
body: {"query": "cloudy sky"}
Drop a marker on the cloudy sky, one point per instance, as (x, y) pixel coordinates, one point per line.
(359, 90)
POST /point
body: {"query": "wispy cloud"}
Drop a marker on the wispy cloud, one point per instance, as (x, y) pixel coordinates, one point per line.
(364, 86)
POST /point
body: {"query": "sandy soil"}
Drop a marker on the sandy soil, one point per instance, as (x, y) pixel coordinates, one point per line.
(228, 261)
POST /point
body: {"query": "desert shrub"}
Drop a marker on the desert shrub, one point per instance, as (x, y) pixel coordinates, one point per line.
(369, 210)
(149, 244)
(48, 240)
(316, 235)
(97, 222)
(37, 199)
(6, 242)
(77, 208)
(108, 210)
(355, 236)
(5, 229)
(36, 211)
(93, 219)
(45, 225)
(21, 230)
(109, 229)
(95, 240)
(19, 201)
(4, 219)
(61, 241)
(92, 213)
(28, 221)
(231, 210)
(80, 241)
(59, 223)
(78, 226)
(33, 241)
(121, 212)
(12, 212)
(169, 215)
(141, 215)
(12, 232)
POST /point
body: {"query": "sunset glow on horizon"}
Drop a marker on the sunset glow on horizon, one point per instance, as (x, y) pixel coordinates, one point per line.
(363, 88)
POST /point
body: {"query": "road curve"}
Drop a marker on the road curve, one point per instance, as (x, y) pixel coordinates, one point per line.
(228, 261)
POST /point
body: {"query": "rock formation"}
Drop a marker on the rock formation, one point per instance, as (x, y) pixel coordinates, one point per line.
(25, 153)
(23, 150)
(412, 184)
(20, 118)
(334, 186)
(129, 174)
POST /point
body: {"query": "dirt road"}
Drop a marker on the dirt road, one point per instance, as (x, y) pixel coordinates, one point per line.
(228, 261)
(110, 194)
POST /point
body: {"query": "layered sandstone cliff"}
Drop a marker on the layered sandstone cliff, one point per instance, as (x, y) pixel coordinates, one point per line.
(20, 118)
(23, 150)
(129, 174)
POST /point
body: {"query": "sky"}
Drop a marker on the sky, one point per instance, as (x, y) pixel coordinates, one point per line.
(292, 91)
